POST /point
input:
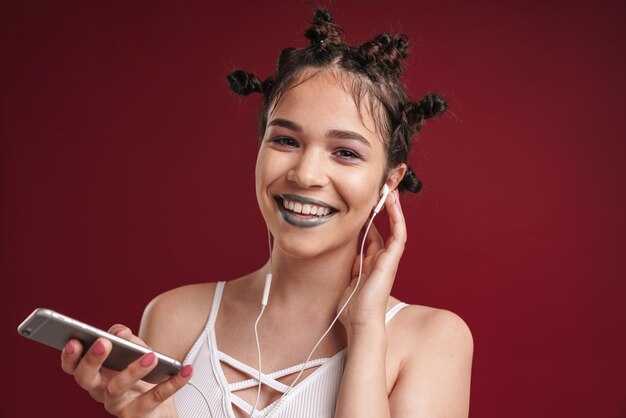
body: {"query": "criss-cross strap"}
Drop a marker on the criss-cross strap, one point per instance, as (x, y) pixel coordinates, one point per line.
(268, 379)
(245, 406)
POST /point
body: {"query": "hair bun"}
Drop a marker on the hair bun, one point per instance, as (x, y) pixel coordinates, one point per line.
(401, 42)
(323, 31)
(385, 53)
(321, 16)
(410, 182)
(384, 39)
(432, 105)
(412, 114)
(245, 83)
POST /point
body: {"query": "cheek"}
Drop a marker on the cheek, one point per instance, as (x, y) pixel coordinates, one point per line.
(360, 192)
(260, 179)
(267, 171)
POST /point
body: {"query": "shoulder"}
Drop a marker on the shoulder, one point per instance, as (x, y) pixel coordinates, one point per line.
(173, 320)
(431, 332)
(434, 350)
(433, 325)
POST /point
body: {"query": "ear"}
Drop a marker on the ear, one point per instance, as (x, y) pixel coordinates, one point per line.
(395, 176)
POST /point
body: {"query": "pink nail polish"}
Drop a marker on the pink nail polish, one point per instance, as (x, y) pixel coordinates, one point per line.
(98, 348)
(147, 360)
(69, 348)
(186, 371)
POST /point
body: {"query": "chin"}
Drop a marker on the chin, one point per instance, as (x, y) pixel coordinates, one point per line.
(312, 242)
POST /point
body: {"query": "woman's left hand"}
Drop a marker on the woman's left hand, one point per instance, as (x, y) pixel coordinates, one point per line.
(380, 264)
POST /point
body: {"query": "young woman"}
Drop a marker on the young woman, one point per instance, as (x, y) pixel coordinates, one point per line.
(335, 129)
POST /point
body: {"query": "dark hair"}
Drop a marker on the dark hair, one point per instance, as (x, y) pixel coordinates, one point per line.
(368, 71)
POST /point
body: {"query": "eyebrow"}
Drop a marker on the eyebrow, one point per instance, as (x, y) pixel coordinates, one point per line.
(333, 133)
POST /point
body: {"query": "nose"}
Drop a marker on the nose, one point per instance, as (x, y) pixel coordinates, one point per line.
(309, 169)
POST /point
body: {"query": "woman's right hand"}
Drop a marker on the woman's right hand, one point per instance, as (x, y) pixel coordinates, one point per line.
(123, 393)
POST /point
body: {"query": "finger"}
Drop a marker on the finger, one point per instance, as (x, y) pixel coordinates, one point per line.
(397, 225)
(161, 392)
(134, 372)
(355, 265)
(374, 244)
(87, 373)
(374, 241)
(126, 333)
(70, 356)
(387, 262)
(118, 329)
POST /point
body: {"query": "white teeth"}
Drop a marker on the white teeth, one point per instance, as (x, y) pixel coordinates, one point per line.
(305, 208)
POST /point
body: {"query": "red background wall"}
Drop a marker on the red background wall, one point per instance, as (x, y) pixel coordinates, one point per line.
(127, 169)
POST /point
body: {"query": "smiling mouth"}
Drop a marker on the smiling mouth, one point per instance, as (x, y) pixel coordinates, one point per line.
(303, 212)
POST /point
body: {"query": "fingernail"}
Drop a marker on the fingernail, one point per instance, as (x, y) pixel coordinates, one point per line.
(69, 348)
(186, 371)
(98, 348)
(147, 360)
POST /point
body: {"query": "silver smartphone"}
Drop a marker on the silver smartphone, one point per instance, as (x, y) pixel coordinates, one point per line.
(55, 330)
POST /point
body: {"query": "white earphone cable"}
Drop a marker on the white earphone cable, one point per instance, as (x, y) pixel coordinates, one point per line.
(343, 307)
(258, 349)
(268, 281)
(263, 305)
(203, 397)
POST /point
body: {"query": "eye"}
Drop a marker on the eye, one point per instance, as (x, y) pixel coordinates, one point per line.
(347, 154)
(284, 141)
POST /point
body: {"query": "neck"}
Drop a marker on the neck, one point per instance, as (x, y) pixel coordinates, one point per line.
(316, 281)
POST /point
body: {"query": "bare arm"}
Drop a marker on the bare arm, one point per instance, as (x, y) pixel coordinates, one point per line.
(363, 391)
(434, 376)
(434, 379)
(435, 346)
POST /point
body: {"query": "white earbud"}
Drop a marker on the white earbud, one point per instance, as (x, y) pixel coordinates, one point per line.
(384, 192)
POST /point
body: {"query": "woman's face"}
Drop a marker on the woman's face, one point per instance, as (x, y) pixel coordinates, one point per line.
(319, 169)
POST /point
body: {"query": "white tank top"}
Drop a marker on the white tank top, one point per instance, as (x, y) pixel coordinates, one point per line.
(314, 396)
